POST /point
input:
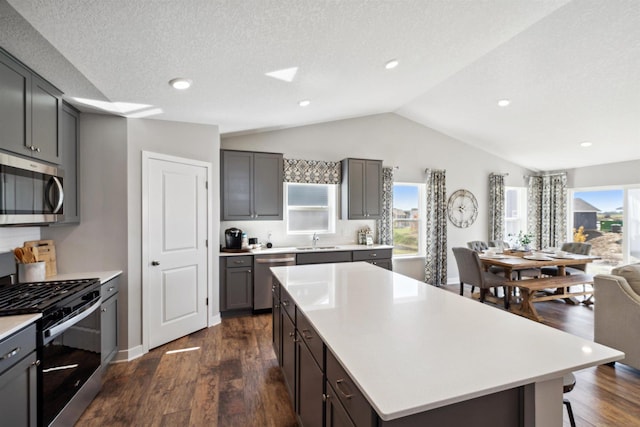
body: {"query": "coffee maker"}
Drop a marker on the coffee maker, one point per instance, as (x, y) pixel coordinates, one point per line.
(233, 238)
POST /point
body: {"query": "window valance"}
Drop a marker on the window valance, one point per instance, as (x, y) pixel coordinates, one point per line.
(312, 171)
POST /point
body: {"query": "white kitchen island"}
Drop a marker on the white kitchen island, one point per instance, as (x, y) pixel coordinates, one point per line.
(413, 349)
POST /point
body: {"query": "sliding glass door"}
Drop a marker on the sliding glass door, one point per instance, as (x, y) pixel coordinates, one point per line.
(608, 219)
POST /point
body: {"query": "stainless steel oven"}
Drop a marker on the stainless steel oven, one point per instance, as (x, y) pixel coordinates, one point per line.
(30, 192)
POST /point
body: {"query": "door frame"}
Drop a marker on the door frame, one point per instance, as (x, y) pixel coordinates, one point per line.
(147, 157)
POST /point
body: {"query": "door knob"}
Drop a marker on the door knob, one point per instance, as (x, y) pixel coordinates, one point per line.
(154, 263)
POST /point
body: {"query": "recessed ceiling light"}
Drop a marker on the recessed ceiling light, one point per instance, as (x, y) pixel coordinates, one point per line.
(586, 144)
(180, 83)
(304, 103)
(504, 102)
(391, 64)
(286, 74)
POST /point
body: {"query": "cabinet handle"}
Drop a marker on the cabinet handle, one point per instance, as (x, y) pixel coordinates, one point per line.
(339, 387)
(238, 262)
(38, 149)
(306, 334)
(11, 354)
(36, 363)
(285, 303)
(373, 255)
(276, 306)
(155, 263)
(325, 397)
(104, 310)
(248, 271)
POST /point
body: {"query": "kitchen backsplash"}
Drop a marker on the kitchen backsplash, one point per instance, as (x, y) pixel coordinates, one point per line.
(346, 232)
(12, 237)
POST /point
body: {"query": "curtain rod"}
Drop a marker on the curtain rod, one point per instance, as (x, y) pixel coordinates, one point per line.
(545, 174)
(499, 174)
(434, 170)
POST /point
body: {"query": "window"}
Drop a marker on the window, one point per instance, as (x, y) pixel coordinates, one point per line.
(311, 208)
(408, 219)
(515, 211)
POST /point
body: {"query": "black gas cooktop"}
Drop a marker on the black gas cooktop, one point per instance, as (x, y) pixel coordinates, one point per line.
(40, 297)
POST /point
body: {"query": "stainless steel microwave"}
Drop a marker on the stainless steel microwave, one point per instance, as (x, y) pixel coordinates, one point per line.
(30, 192)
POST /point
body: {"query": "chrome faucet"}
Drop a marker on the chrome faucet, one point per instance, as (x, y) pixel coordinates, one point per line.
(315, 239)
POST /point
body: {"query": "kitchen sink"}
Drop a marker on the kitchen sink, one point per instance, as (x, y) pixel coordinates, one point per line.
(317, 248)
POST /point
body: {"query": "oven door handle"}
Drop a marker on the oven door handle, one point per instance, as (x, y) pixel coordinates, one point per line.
(75, 319)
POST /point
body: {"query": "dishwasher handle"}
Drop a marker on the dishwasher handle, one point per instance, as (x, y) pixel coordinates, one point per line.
(274, 260)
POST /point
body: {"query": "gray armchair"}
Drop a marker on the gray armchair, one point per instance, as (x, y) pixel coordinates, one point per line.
(472, 273)
(617, 311)
(573, 248)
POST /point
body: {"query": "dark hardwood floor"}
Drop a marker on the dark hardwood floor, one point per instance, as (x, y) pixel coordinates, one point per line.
(233, 380)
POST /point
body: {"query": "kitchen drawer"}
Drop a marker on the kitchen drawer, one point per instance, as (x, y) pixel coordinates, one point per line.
(109, 288)
(384, 263)
(17, 346)
(310, 337)
(239, 261)
(350, 396)
(286, 302)
(323, 257)
(370, 254)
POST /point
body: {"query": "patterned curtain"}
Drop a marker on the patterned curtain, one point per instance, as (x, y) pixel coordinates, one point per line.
(435, 269)
(385, 223)
(496, 207)
(547, 210)
(312, 171)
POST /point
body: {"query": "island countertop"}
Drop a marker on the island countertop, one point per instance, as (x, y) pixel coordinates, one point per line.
(412, 347)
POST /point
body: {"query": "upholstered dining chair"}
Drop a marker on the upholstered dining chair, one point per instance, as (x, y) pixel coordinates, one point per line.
(471, 272)
(574, 248)
(499, 244)
(477, 245)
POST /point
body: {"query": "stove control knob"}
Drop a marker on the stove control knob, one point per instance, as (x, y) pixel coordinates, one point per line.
(155, 263)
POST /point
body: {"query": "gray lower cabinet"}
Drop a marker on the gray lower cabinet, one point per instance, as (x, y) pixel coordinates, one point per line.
(236, 283)
(288, 361)
(109, 321)
(361, 189)
(335, 414)
(379, 257)
(30, 109)
(323, 257)
(309, 374)
(251, 185)
(276, 322)
(69, 157)
(18, 378)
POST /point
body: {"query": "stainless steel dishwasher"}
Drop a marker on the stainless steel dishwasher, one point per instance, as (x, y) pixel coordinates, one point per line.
(262, 278)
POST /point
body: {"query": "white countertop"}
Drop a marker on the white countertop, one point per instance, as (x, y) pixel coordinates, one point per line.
(104, 276)
(11, 324)
(292, 249)
(412, 347)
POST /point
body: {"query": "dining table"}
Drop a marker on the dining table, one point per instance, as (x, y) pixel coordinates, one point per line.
(513, 261)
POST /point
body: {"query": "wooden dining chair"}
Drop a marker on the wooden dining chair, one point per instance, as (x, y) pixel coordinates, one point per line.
(472, 273)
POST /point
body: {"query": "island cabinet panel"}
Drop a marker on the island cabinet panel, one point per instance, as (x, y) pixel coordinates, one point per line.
(310, 338)
(288, 362)
(309, 387)
(335, 414)
(348, 393)
(276, 313)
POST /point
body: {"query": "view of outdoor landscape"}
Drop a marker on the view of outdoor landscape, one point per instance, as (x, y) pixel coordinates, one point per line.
(406, 223)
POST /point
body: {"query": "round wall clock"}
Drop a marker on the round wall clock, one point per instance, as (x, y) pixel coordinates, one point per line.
(462, 208)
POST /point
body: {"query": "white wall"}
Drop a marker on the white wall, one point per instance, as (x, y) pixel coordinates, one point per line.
(619, 174)
(398, 142)
(12, 237)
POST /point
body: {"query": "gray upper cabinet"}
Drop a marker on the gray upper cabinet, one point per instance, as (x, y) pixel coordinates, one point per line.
(361, 189)
(251, 185)
(30, 109)
(69, 157)
(15, 106)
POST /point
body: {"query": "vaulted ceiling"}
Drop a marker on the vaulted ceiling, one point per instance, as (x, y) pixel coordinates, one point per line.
(570, 69)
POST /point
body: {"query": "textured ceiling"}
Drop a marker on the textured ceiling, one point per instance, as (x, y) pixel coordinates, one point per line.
(570, 68)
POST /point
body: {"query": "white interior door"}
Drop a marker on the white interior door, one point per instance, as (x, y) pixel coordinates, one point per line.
(176, 252)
